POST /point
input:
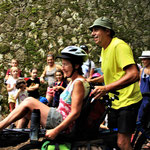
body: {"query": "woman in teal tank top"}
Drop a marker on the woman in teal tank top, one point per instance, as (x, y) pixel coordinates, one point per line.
(61, 118)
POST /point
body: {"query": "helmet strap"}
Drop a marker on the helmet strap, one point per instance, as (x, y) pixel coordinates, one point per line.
(74, 69)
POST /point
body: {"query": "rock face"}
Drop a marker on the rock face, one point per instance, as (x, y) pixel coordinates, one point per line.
(31, 28)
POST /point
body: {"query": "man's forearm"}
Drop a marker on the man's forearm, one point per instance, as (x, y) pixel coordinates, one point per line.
(97, 80)
(129, 78)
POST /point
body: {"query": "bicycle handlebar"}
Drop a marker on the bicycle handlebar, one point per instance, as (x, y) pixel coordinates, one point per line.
(113, 92)
(105, 98)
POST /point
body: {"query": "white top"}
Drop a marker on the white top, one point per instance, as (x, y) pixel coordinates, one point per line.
(86, 66)
(21, 97)
(11, 81)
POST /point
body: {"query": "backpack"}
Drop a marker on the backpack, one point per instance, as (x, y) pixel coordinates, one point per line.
(50, 145)
(91, 116)
(80, 145)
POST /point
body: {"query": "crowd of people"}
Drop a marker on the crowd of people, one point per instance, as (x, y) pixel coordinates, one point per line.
(20, 88)
(65, 97)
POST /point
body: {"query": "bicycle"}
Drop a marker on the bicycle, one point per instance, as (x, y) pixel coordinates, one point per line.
(34, 133)
(107, 139)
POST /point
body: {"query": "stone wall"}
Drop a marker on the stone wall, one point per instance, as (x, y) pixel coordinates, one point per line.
(31, 28)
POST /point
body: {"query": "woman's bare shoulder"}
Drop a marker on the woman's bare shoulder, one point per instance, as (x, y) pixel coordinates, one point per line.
(80, 81)
(46, 67)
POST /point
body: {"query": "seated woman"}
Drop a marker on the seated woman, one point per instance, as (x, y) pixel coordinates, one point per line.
(71, 99)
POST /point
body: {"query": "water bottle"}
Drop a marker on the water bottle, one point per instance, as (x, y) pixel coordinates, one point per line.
(35, 125)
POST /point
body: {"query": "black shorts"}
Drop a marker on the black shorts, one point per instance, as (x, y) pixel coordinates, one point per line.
(124, 118)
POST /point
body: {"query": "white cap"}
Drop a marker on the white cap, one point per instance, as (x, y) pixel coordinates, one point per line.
(145, 54)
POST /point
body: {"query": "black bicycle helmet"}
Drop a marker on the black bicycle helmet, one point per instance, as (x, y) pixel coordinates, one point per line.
(84, 47)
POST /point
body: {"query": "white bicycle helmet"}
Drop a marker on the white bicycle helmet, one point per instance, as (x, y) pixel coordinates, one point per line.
(75, 55)
(71, 52)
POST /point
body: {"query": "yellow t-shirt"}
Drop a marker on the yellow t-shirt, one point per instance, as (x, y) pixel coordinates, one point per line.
(115, 57)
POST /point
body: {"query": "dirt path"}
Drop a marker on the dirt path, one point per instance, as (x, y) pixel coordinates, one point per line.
(15, 147)
(18, 146)
(12, 147)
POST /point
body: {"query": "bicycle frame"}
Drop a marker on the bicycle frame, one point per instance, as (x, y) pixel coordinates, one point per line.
(35, 132)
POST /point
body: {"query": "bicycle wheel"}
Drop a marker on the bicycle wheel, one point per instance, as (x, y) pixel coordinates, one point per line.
(12, 138)
(142, 140)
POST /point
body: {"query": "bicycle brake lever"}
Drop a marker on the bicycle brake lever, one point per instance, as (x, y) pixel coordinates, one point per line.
(116, 97)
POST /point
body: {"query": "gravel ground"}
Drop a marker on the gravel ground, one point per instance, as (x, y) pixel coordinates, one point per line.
(15, 147)
(18, 146)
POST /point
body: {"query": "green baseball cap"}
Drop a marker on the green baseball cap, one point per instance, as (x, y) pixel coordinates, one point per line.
(103, 22)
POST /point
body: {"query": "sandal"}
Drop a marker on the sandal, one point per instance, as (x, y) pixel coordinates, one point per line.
(147, 146)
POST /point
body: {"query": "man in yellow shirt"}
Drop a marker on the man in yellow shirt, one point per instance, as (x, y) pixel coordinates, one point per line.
(121, 75)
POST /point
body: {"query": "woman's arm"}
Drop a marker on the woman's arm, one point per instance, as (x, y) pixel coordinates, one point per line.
(76, 105)
(43, 75)
(91, 73)
(99, 79)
